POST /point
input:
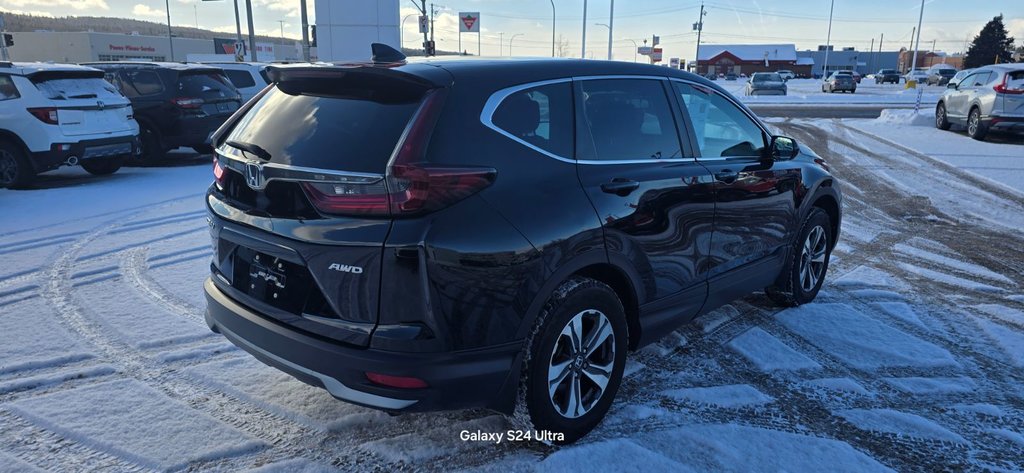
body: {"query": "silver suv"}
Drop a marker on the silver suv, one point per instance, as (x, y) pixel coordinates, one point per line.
(989, 98)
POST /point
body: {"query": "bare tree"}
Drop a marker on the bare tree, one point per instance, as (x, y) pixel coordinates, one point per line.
(562, 47)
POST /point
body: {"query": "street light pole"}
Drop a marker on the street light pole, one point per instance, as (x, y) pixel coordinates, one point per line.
(170, 39)
(401, 31)
(609, 38)
(552, 28)
(583, 48)
(611, 22)
(828, 41)
(305, 30)
(510, 43)
(917, 43)
(252, 30)
(636, 47)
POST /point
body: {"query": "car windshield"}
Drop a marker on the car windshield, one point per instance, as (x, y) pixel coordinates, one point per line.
(767, 78)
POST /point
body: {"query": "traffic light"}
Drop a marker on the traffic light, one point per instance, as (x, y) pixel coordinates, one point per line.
(430, 49)
(312, 35)
(8, 39)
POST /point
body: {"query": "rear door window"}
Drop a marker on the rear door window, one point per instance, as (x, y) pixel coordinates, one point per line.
(722, 129)
(205, 85)
(540, 117)
(240, 79)
(627, 119)
(8, 90)
(326, 128)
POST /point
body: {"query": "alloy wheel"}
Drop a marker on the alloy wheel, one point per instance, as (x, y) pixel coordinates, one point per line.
(972, 124)
(581, 363)
(812, 258)
(940, 116)
(8, 168)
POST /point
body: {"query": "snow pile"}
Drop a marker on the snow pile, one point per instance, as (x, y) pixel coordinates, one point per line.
(892, 116)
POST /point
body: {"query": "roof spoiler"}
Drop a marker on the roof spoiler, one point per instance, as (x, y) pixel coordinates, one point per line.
(384, 54)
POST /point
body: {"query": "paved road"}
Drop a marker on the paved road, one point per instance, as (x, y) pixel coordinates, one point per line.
(820, 111)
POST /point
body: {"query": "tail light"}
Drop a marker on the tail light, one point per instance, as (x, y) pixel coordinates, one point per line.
(219, 173)
(1003, 87)
(187, 102)
(46, 115)
(411, 186)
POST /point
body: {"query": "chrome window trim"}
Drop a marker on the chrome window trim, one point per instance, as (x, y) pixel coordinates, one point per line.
(234, 159)
(494, 101)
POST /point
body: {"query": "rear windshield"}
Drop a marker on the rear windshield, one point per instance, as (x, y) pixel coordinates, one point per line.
(767, 78)
(77, 88)
(351, 132)
(240, 79)
(889, 71)
(206, 86)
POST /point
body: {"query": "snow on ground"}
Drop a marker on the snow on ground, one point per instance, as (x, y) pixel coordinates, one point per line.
(909, 360)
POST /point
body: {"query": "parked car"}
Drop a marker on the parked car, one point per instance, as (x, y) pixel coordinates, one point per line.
(248, 77)
(61, 114)
(856, 76)
(839, 81)
(175, 104)
(786, 74)
(940, 76)
(413, 273)
(959, 76)
(730, 76)
(711, 76)
(885, 76)
(917, 75)
(765, 83)
(989, 98)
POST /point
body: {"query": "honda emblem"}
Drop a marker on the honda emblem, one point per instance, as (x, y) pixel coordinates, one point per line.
(254, 175)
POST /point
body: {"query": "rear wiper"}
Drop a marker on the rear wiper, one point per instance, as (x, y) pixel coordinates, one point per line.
(250, 148)
(83, 96)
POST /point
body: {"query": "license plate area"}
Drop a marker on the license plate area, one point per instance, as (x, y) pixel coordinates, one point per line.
(271, 280)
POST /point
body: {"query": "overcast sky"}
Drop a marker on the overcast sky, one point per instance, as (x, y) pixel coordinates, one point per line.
(950, 23)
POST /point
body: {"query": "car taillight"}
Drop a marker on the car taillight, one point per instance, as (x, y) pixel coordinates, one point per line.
(411, 186)
(46, 115)
(1003, 87)
(187, 102)
(219, 173)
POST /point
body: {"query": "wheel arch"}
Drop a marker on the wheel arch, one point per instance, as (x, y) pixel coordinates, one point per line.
(8, 135)
(828, 202)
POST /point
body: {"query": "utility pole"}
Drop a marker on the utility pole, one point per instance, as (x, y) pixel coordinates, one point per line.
(871, 55)
(611, 22)
(828, 40)
(170, 39)
(433, 10)
(583, 48)
(305, 30)
(422, 7)
(238, 27)
(933, 45)
(252, 30)
(699, 26)
(501, 42)
(281, 22)
(3, 39)
(912, 30)
(920, 18)
(552, 28)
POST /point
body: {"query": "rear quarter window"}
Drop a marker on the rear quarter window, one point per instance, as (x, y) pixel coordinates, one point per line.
(240, 79)
(8, 91)
(205, 86)
(539, 116)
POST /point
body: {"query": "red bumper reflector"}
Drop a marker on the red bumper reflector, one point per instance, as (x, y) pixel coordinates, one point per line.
(396, 381)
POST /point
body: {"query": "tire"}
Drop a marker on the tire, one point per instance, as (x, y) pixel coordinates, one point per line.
(15, 169)
(941, 120)
(152, 145)
(587, 307)
(103, 166)
(975, 128)
(795, 286)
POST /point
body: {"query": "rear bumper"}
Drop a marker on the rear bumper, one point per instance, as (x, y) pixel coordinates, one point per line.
(456, 380)
(1004, 123)
(98, 148)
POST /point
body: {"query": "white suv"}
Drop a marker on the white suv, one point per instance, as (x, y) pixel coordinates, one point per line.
(248, 77)
(60, 114)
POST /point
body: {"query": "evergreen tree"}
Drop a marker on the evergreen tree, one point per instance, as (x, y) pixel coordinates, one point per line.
(992, 45)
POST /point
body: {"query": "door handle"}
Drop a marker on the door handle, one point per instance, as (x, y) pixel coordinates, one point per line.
(620, 186)
(726, 176)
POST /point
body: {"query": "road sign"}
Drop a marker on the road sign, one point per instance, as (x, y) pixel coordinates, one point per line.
(656, 55)
(673, 63)
(424, 24)
(644, 50)
(239, 50)
(469, 22)
(656, 40)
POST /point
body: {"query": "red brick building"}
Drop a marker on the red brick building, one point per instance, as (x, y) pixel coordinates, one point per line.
(748, 59)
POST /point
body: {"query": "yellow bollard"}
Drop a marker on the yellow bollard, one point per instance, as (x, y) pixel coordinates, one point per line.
(911, 84)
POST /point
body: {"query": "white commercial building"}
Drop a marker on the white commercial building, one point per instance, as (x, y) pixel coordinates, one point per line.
(346, 28)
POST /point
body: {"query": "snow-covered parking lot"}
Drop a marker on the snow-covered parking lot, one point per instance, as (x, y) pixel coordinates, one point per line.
(911, 359)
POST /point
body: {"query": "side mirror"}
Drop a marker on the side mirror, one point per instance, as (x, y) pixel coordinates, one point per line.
(952, 85)
(783, 147)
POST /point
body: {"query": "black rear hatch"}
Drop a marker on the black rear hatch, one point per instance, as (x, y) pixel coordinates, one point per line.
(301, 184)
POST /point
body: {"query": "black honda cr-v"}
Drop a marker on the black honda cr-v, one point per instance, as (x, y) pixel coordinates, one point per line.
(447, 234)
